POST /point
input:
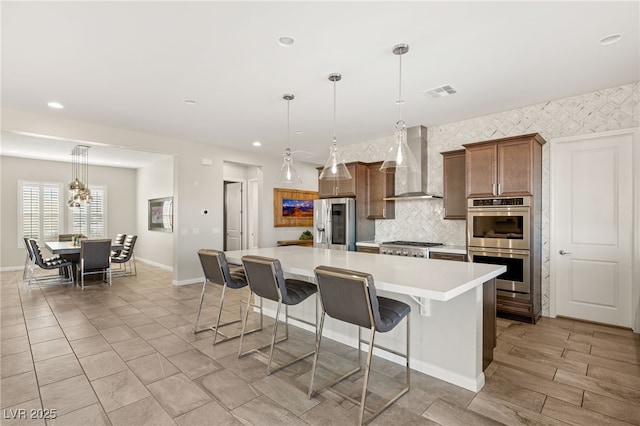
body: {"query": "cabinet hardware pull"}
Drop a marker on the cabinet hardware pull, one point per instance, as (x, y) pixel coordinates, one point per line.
(499, 189)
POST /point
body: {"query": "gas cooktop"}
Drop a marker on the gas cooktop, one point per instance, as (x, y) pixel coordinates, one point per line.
(410, 243)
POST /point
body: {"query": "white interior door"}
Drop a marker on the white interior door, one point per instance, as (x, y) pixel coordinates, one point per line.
(233, 215)
(253, 208)
(592, 227)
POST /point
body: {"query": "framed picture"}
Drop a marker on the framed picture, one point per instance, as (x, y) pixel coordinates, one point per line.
(293, 207)
(161, 214)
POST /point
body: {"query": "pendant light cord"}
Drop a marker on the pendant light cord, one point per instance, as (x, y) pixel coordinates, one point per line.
(334, 112)
(400, 101)
(288, 126)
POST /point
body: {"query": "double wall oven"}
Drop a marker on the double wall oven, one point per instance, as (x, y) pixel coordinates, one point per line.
(499, 233)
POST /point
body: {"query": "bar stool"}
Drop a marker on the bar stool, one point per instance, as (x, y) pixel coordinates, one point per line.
(216, 271)
(350, 296)
(266, 280)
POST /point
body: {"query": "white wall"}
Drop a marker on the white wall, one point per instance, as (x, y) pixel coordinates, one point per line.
(194, 184)
(121, 199)
(153, 181)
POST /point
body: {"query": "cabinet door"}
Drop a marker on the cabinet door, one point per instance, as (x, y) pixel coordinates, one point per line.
(326, 188)
(481, 170)
(455, 201)
(347, 188)
(515, 168)
(380, 185)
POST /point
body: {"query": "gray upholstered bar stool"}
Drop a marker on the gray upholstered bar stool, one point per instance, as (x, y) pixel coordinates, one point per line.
(216, 271)
(350, 296)
(266, 280)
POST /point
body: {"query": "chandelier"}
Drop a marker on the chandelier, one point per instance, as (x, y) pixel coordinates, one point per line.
(79, 186)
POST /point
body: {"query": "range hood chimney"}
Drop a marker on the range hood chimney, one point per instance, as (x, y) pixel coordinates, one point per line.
(413, 185)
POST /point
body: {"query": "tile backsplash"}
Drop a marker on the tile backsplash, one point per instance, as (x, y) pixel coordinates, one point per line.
(421, 220)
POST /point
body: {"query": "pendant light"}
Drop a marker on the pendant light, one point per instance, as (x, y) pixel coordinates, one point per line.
(399, 155)
(334, 169)
(288, 174)
(79, 186)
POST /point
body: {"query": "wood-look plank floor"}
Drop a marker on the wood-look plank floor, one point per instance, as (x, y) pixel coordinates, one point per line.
(127, 355)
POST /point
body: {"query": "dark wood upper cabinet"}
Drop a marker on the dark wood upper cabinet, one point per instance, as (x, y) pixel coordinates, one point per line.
(502, 167)
(343, 188)
(454, 194)
(380, 185)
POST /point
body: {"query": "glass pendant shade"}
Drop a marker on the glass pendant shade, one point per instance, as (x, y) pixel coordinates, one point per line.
(399, 155)
(288, 174)
(334, 168)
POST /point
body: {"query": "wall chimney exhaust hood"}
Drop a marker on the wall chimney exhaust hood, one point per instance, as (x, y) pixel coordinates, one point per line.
(413, 185)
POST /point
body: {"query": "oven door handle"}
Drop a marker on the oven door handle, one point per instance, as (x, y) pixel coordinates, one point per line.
(484, 250)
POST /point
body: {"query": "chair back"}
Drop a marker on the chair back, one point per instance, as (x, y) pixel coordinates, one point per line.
(65, 237)
(265, 276)
(348, 295)
(215, 266)
(28, 246)
(95, 254)
(34, 250)
(127, 248)
(119, 239)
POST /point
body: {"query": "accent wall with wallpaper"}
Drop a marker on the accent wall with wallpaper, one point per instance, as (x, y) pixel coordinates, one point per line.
(421, 220)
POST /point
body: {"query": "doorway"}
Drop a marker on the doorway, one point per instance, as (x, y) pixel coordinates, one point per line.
(233, 216)
(592, 227)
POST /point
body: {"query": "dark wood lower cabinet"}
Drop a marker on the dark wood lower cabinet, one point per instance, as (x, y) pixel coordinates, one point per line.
(364, 249)
(510, 308)
(489, 323)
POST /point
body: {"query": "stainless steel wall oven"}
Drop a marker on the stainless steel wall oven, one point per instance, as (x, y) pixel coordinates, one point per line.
(498, 232)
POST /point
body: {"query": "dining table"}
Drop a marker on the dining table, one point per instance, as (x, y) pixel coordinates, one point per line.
(67, 247)
(71, 252)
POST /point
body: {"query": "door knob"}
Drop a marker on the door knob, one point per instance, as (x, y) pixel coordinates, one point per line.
(562, 252)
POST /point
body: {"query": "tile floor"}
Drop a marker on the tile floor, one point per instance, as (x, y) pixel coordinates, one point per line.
(126, 355)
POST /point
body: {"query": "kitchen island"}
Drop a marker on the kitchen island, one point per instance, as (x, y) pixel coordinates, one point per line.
(453, 306)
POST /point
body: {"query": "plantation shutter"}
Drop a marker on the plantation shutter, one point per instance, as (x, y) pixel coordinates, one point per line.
(39, 210)
(30, 196)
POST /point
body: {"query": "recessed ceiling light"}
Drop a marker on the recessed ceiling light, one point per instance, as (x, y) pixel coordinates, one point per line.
(56, 105)
(299, 132)
(257, 143)
(189, 102)
(610, 39)
(286, 41)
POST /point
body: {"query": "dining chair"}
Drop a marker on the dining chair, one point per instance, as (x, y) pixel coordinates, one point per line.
(118, 240)
(127, 257)
(216, 271)
(51, 263)
(95, 258)
(266, 279)
(350, 296)
(28, 260)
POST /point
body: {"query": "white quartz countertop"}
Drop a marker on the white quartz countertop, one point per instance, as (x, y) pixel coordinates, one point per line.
(434, 279)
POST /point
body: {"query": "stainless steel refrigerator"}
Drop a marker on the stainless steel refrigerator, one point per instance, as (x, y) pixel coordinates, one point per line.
(334, 223)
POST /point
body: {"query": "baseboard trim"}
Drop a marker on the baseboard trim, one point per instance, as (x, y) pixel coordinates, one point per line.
(156, 264)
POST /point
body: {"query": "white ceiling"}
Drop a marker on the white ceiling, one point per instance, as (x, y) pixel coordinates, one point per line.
(132, 64)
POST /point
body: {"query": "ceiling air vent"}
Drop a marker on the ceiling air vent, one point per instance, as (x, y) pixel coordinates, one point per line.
(440, 92)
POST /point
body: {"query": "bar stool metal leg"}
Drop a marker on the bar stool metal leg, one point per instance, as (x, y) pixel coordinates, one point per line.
(216, 328)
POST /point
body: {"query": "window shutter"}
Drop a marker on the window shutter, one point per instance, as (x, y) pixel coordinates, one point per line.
(39, 210)
(30, 195)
